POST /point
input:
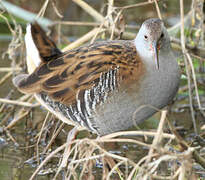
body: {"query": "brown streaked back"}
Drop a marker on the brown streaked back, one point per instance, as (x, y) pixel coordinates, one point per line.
(81, 69)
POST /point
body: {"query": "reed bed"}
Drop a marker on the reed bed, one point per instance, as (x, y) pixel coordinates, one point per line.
(166, 153)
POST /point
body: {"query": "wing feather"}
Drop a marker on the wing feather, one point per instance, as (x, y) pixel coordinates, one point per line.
(80, 69)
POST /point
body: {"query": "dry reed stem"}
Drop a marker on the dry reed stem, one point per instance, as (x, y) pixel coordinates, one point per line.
(109, 16)
(43, 9)
(137, 5)
(72, 167)
(191, 64)
(134, 133)
(70, 137)
(76, 23)
(83, 39)
(101, 19)
(137, 166)
(75, 162)
(19, 103)
(198, 57)
(87, 156)
(176, 28)
(3, 105)
(77, 151)
(53, 137)
(18, 116)
(85, 153)
(21, 114)
(53, 2)
(185, 164)
(194, 80)
(165, 158)
(6, 118)
(157, 9)
(108, 153)
(114, 29)
(158, 136)
(184, 145)
(8, 69)
(121, 140)
(24, 97)
(85, 23)
(53, 153)
(140, 108)
(94, 157)
(115, 168)
(198, 50)
(176, 174)
(87, 8)
(8, 23)
(152, 166)
(98, 32)
(186, 63)
(3, 79)
(150, 170)
(39, 137)
(11, 137)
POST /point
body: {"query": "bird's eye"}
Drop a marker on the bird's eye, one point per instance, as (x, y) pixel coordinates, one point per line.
(145, 37)
(162, 35)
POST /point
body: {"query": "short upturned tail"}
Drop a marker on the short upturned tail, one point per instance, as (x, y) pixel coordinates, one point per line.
(36, 40)
(46, 47)
(39, 49)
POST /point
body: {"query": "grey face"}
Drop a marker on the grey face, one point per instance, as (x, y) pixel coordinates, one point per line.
(153, 36)
(154, 29)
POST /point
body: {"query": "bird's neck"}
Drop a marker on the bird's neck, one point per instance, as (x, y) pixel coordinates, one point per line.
(148, 57)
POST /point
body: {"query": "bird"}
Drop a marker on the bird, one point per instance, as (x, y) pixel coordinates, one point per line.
(107, 86)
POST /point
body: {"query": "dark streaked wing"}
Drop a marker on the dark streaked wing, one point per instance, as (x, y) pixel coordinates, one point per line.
(63, 75)
(81, 69)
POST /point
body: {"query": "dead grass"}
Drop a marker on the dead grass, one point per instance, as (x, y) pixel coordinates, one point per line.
(167, 155)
